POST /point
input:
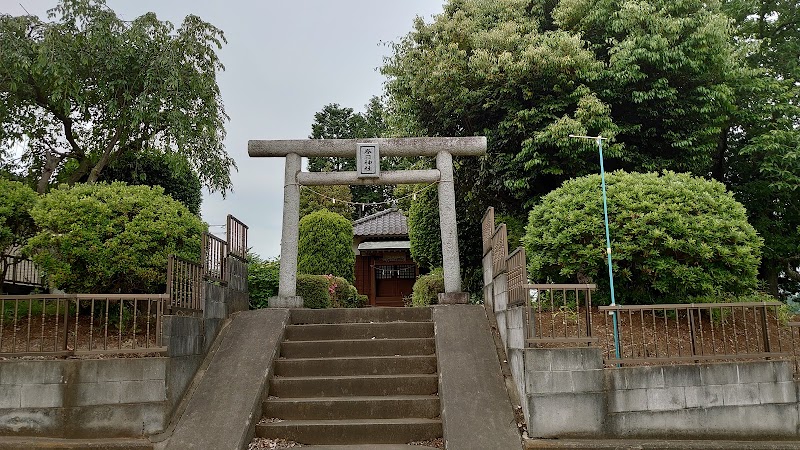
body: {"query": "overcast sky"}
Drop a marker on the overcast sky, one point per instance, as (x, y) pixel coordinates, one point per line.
(285, 60)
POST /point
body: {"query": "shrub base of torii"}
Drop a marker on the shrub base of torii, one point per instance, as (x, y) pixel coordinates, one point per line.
(443, 148)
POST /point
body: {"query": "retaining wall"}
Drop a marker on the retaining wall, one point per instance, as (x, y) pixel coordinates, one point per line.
(83, 398)
(114, 397)
(569, 394)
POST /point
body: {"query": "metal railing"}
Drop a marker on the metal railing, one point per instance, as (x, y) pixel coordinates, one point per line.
(185, 287)
(236, 234)
(81, 324)
(793, 330)
(517, 276)
(21, 271)
(559, 314)
(214, 256)
(487, 229)
(695, 332)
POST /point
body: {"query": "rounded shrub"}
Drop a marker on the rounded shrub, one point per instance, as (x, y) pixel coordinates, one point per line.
(427, 288)
(111, 238)
(326, 245)
(328, 291)
(674, 238)
(314, 290)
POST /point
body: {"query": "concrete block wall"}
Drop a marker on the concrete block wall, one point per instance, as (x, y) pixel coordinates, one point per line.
(83, 398)
(744, 399)
(500, 302)
(570, 394)
(186, 342)
(564, 391)
(515, 351)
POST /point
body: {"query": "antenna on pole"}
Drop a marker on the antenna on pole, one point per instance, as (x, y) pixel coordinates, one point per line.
(599, 139)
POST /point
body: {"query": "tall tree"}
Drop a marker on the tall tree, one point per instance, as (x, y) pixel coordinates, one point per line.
(760, 160)
(663, 79)
(665, 75)
(490, 68)
(337, 122)
(86, 87)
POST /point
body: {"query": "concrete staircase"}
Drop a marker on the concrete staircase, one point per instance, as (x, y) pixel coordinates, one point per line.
(355, 377)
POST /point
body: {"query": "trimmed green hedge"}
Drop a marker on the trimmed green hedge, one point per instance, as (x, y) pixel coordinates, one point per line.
(327, 291)
(674, 238)
(109, 238)
(427, 288)
(326, 245)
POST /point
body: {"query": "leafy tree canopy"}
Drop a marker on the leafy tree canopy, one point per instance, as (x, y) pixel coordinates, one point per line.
(709, 88)
(663, 61)
(489, 68)
(86, 88)
(111, 238)
(674, 237)
(171, 171)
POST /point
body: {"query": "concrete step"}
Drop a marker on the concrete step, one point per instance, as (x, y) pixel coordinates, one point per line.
(368, 447)
(355, 365)
(28, 443)
(334, 408)
(657, 444)
(360, 431)
(360, 315)
(358, 347)
(359, 385)
(396, 330)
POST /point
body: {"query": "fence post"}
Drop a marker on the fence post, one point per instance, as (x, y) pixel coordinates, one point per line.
(764, 329)
(66, 323)
(588, 313)
(692, 332)
(170, 278)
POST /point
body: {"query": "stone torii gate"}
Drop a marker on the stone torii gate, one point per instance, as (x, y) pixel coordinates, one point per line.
(368, 152)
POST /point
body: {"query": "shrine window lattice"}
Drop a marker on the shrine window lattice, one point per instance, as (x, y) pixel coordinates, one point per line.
(406, 271)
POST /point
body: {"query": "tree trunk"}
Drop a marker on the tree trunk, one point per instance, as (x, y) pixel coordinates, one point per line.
(51, 162)
(94, 175)
(769, 272)
(104, 158)
(718, 168)
(81, 171)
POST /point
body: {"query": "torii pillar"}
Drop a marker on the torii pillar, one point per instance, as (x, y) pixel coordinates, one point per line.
(443, 148)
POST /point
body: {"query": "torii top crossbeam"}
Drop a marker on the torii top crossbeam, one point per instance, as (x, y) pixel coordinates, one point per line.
(346, 148)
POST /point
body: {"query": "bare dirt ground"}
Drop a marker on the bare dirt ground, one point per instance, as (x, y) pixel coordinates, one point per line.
(716, 336)
(43, 334)
(263, 443)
